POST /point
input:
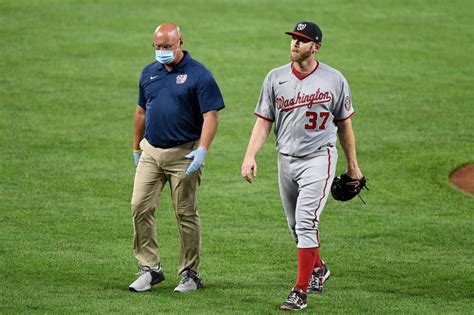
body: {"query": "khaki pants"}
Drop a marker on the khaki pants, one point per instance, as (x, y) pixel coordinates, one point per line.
(156, 168)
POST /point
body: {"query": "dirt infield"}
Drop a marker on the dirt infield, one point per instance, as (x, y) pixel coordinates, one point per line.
(463, 178)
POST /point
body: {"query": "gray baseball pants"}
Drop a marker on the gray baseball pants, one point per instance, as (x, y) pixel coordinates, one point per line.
(305, 184)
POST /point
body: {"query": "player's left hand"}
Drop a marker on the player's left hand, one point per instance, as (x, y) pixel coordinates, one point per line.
(198, 157)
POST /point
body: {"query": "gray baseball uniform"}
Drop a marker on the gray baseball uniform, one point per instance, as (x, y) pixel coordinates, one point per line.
(305, 111)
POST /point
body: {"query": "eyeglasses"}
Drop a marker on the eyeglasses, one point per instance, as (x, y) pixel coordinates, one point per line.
(164, 46)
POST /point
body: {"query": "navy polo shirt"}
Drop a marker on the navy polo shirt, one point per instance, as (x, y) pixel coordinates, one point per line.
(175, 101)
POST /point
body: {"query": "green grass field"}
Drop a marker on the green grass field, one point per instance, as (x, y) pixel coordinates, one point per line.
(69, 74)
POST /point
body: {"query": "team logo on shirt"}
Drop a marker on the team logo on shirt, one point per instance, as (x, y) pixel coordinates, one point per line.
(347, 103)
(301, 27)
(318, 97)
(181, 78)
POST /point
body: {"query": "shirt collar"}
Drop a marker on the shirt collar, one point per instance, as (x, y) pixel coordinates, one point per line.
(184, 60)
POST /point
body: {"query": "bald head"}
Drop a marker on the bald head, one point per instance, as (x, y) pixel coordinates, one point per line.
(169, 31)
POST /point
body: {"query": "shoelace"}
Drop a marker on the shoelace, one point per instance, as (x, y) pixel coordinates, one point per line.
(314, 281)
(293, 298)
(185, 279)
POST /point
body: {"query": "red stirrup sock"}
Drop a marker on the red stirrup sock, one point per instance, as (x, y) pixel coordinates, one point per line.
(306, 261)
(319, 261)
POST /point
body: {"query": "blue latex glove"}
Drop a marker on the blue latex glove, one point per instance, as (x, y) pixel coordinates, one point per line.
(198, 157)
(136, 156)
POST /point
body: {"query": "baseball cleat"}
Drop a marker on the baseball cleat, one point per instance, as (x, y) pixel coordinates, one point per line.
(296, 301)
(147, 277)
(319, 276)
(190, 281)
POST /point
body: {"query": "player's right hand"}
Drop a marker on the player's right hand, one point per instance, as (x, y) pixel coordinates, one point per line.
(249, 169)
(136, 156)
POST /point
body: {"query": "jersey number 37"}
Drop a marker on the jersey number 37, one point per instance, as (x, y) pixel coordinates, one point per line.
(313, 120)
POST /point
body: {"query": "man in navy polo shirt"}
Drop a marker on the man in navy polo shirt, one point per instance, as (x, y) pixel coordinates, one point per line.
(174, 124)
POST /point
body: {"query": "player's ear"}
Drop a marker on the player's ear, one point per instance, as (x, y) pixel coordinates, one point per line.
(316, 47)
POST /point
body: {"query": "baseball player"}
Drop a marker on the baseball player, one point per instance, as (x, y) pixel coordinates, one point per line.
(310, 103)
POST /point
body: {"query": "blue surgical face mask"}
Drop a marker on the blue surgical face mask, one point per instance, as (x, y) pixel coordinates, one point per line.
(164, 56)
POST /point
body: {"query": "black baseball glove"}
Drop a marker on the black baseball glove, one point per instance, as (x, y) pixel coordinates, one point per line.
(345, 188)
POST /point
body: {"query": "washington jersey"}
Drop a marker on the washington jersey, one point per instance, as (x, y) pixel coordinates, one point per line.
(305, 111)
